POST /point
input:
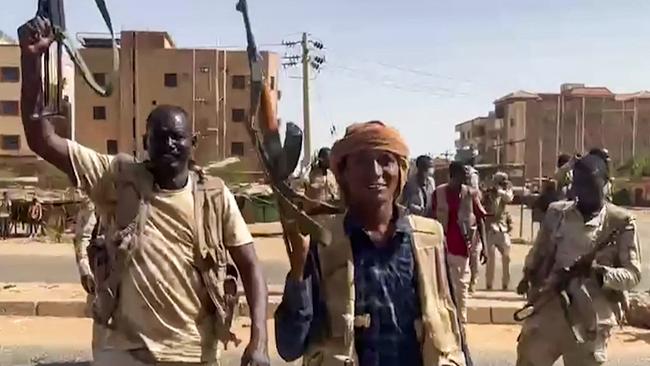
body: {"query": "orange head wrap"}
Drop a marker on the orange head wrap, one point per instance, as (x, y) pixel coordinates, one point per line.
(373, 135)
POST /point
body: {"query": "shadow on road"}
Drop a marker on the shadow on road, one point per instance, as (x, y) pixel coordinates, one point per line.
(636, 335)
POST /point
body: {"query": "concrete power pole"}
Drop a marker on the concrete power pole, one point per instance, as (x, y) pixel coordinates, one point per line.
(307, 61)
(305, 102)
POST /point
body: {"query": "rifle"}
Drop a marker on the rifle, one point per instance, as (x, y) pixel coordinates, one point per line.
(54, 11)
(558, 281)
(278, 161)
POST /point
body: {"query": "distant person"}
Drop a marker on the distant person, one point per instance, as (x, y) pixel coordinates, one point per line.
(474, 177)
(419, 188)
(35, 213)
(321, 184)
(498, 228)
(458, 208)
(476, 247)
(5, 215)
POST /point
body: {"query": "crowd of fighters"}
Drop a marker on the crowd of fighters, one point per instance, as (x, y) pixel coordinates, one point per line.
(388, 289)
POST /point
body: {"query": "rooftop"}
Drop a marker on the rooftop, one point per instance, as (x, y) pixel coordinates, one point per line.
(518, 95)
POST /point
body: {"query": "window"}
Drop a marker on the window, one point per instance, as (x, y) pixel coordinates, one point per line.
(9, 108)
(239, 82)
(512, 122)
(237, 149)
(100, 78)
(10, 142)
(99, 113)
(111, 147)
(171, 80)
(272, 86)
(9, 74)
(238, 115)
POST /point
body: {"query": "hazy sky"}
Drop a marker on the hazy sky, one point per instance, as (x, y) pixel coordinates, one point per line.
(421, 65)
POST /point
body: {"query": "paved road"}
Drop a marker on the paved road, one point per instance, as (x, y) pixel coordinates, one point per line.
(54, 263)
(51, 341)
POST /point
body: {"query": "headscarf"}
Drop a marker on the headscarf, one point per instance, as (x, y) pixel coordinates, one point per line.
(372, 135)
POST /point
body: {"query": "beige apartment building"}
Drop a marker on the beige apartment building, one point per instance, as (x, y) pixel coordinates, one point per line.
(212, 85)
(534, 128)
(12, 137)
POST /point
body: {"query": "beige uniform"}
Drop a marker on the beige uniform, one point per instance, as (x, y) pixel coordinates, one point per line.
(498, 237)
(164, 313)
(321, 186)
(563, 237)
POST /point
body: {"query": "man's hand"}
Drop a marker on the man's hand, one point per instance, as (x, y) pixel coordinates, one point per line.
(299, 251)
(35, 37)
(523, 287)
(88, 283)
(255, 354)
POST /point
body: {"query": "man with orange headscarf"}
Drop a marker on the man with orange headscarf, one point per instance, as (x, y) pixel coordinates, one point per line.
(378, 292)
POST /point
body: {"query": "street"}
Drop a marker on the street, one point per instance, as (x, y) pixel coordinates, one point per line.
(58, 341)
(55, 262)
(65, 341)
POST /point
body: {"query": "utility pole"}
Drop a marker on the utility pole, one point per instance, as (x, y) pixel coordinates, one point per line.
(305, 102)
(307, 61)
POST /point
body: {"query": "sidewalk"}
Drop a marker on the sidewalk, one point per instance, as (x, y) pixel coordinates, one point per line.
(69, 301)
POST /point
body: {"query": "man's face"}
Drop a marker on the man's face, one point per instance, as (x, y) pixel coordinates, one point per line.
(324, 159)
(589, 189)
(371, 177)
(169, 142)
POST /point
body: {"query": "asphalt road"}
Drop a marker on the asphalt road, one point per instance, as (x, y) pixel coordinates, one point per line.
(29, 265)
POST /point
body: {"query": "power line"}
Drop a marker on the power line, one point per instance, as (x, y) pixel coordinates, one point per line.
(398, 85)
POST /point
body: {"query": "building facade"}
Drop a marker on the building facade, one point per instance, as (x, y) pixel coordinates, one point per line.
(212, 85)
(534, 128)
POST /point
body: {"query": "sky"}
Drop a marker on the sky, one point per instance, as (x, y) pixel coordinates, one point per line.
(420, 65)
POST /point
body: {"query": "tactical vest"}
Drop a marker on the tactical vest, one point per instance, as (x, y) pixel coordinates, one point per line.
(438, 328)
(110, 255)
(466, 218)
(616, 220)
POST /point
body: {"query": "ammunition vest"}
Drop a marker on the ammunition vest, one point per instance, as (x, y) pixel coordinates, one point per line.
(438, 329)
(466, 218)
(110, 255)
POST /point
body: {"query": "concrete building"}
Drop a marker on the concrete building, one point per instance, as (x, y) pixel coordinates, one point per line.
(535, 127)
(12, 136)
(212, 85)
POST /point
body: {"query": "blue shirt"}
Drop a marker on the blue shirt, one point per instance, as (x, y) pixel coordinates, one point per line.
(386, 289)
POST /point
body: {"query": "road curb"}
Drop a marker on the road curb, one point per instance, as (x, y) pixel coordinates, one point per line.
(495, 314)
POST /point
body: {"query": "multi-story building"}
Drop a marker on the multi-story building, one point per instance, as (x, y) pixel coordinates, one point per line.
(16, 159)
(537, 127)
(212, 85)
(482, 134)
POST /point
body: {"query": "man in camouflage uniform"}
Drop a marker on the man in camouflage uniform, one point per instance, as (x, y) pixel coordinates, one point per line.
(578, 330)
(321, 184)
(498, 228)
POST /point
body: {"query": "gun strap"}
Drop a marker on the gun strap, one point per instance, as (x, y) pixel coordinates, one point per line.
(62, 37)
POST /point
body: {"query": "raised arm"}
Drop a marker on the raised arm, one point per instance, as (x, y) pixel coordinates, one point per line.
(35, 37)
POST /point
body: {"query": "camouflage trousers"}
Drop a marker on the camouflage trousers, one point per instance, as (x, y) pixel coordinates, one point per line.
(546, 336)
(500, 241)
